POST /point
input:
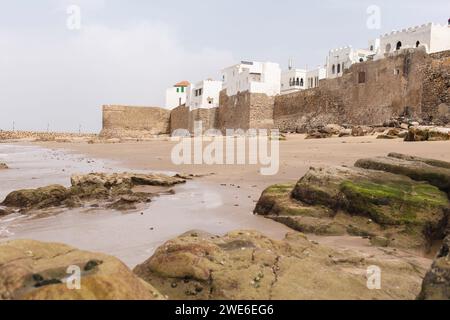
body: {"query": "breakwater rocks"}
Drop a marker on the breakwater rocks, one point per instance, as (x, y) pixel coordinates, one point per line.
(46, 136)
(115, 191)
(395, 201)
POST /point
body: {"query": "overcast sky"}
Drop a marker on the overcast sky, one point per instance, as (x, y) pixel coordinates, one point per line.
(130, 51)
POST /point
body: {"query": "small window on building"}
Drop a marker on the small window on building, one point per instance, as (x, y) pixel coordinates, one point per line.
(417, 44)
(333, 69)
(361, 60)
(399, 45)
(297, 82)
(371, 48)
(178, 90)
(362, 77)
(301, 82)
(339, 68)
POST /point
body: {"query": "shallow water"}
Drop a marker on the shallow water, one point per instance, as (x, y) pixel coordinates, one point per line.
(132, 237)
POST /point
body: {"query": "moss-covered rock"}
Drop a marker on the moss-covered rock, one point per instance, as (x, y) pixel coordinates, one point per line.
(419, 170)
(53, 195)
(374, 204)
(247, 265)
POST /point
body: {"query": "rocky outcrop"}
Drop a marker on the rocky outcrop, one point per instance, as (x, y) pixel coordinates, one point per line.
(31, 270)
(428, 133)
(436, 285)
(389, 208)
(247, 265)
(3, 166)
(116, 190)
(434, 172)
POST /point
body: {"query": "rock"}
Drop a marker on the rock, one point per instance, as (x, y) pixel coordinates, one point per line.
(431, 162)
(436, 285)
(318, 135)
(404, 126)
(32, 270)
(416, 169)
(332, 129)
(439, 134)
(246, 265)
(386, 136)
(345, 133)
(339, 200)
(115, 189)
(3, 166)
(359, 131)
(428, 133)
(5, 211)
(39, 198)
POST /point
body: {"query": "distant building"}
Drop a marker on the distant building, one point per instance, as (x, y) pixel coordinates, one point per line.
(254, 77)
(433, 37)
(342, 58)
(176, 96)
(204, 94)
(293, 80)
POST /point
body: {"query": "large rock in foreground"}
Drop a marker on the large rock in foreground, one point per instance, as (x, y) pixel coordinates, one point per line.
(390, 209)
(247, 265)
(436, 285)
(38, 271)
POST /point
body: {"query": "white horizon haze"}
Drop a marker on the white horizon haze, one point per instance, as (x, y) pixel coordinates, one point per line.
(129, 52)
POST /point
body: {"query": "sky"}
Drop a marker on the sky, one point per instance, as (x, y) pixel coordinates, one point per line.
(56, 73)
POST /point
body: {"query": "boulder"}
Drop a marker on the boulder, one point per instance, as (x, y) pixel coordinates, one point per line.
(3, 166)
(428, 133)
(360, 131)
(436, 284)
(340, 200)
(345, 133)
(53, 195)
(315, 134)
(333, 129)
(419, 170)
(32, 270)
(246, 265)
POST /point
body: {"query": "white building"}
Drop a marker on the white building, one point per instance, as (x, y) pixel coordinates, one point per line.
(254, 77)
(434, 37)
(176, 96)
(314, 76)
(204, 94)
(293, 80)
(342, 58)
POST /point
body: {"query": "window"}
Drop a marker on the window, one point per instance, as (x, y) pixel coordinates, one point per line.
(301, 82)
(361, 60)
(178, 90)
(371, 48)
(417, 44)
(361, 77)
(333, 69)
(339, 68)
(297, 83)
(399, 45)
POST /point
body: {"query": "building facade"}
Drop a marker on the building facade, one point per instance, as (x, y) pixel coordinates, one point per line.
(434, 37)
(204, 94)
(176, 96)
(343, 58)
(252, 76)
(293, 80)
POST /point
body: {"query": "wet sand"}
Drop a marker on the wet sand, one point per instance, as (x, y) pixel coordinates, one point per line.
(218, 203)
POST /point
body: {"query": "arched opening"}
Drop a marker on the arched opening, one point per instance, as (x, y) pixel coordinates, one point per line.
(361, 60)
(371, 48)
(398, 46)
(339, 68)
(301, 82)
(417, 44)
(333, 69)
(297, 82)
(388, 48)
